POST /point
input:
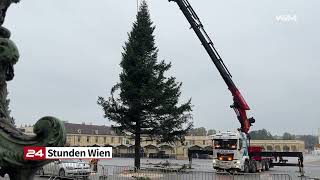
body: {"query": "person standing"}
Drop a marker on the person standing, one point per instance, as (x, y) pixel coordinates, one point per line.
(94, 164)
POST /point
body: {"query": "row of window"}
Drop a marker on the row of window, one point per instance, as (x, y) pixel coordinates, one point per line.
(96, 139)
(119, 140)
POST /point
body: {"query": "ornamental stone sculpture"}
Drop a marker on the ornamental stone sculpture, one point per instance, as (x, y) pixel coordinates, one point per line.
(49, 131)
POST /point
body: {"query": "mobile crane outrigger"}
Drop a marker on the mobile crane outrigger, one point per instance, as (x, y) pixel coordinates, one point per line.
(232, 150)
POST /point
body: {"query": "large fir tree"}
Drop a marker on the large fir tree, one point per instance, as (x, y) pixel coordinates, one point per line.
(145, 101)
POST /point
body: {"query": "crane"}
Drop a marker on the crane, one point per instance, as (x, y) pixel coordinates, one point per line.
(239, 105)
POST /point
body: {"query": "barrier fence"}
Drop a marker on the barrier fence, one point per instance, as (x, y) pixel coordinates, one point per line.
(55, 171)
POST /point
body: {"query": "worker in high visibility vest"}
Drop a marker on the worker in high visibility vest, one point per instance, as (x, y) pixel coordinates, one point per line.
(94, 164)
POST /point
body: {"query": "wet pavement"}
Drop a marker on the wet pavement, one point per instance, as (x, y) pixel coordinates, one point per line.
(201, 169)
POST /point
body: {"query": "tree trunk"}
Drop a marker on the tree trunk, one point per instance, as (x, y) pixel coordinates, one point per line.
(137, 151)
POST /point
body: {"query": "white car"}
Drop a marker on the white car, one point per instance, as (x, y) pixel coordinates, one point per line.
(67, 168)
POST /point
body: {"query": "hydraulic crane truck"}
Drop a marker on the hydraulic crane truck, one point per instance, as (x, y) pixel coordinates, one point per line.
(232, 150)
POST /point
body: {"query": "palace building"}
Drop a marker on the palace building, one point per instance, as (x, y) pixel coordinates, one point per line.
(123, 145)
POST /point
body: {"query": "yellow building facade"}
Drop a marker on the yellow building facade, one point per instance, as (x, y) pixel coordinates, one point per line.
(123, 146)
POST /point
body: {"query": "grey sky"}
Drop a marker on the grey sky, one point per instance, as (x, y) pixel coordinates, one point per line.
(71, 50)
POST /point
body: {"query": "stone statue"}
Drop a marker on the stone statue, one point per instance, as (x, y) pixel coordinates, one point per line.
(49, 131)
(4, 5)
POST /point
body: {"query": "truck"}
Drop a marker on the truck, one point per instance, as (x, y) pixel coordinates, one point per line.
(231, 152)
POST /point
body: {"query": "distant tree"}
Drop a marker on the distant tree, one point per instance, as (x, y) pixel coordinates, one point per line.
(277, 137)
(310, 141)
(6, 112)
(211, 132)
(145, 101)
(288, 136)
(201, 131)
(262, 134)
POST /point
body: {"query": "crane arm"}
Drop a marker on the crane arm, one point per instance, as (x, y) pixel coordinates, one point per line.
(239, 105)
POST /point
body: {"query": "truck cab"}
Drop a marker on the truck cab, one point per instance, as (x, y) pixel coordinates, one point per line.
(230, 151)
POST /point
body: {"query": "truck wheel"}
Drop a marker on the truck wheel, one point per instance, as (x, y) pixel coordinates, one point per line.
(267, 166)
(253, 167)
(62, 173)
(246, 168)
(263, 165)
(41, 172)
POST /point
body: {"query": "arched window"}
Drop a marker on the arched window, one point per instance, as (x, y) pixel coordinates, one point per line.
(269, 148)
(286, 148)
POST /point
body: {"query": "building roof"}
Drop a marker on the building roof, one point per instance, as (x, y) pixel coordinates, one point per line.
(72, 128)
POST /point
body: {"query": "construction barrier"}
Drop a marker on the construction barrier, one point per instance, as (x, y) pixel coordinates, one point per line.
(130, 173)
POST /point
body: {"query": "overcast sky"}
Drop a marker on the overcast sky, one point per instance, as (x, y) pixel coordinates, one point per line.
(71, 50)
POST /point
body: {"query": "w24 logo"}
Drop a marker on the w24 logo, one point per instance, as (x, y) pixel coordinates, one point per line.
(34, 153)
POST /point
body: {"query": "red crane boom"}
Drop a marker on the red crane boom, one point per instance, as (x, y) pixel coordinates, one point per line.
(239, 105)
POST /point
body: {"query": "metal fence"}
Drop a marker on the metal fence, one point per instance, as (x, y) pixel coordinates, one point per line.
(129, 173)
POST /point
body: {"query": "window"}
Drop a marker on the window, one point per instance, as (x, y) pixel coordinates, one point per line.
(120, 140)
(88, 138)
(112, 139)
(104, 139)
(204, 142)
(227, 144)
(97, 138)
(68, 139)
(79, 138)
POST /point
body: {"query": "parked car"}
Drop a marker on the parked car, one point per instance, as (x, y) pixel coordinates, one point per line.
(67, 168)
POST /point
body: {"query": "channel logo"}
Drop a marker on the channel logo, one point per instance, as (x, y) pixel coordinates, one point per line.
(44, 153)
